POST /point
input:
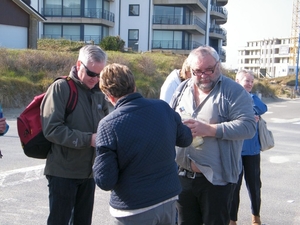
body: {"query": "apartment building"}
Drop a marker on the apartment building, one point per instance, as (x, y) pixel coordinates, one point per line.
(145, 25)
(268, 57)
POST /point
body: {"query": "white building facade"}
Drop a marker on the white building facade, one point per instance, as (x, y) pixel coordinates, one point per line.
(268, 57)
(145, 25)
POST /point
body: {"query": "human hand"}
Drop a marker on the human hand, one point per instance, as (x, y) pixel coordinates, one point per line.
(256, 118)
(199, 128)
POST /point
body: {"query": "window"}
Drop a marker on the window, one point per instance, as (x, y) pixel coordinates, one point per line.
(170, 15)
(169, 40)
(53, 8)
(62, 8)
(93, 33)
(133, 34)
(75, 32)
(134, 10)
(52, 31)
(71, 7)
(71, 32)
(133, 38)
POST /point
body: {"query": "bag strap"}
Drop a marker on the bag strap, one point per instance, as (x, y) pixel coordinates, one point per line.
(73, 97)
(178, 93)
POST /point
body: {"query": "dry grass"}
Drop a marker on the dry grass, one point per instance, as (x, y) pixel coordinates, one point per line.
(26, 73)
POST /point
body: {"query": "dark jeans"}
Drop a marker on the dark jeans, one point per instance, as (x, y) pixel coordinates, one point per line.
(201, 202)
(71, 201)
(251, 171)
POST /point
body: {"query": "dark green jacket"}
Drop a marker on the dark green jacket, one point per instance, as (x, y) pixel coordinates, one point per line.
(71, 155)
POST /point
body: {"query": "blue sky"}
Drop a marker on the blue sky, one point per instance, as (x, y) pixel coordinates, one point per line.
(250, 20)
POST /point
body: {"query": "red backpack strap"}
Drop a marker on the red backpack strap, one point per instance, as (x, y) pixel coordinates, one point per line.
(73, 98)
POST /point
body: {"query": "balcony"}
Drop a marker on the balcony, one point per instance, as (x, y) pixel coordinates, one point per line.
(224, 41)
(76, 15)
(216, 31)
(174, 46)
(219, 13)
(172, 22)
(221, 2)
(196, 5)
(222, 54)
(95, 39)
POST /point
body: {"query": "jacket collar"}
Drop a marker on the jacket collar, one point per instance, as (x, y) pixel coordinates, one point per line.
(128, 98)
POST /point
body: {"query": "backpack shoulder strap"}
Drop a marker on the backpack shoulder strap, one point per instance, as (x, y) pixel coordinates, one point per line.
(73, 97)
(178, 94)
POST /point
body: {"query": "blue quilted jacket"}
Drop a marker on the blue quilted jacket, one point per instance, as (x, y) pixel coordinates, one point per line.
(135, 152)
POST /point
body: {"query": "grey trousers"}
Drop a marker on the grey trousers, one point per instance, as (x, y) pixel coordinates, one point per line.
(164, 214)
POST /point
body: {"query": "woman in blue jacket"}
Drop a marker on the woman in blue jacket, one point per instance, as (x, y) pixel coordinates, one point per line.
(250, 157)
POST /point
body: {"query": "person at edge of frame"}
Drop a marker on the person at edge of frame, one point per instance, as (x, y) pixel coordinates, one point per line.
(250, 157)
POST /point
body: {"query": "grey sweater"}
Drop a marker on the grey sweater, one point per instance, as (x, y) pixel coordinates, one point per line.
(228, 106)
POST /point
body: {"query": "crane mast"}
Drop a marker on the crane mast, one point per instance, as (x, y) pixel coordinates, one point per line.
(295, 31)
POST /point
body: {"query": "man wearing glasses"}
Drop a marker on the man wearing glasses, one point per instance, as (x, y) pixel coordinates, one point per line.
(222, 114)
(69, 163)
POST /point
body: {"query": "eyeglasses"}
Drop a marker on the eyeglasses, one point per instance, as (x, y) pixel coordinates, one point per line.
(90, 73)
(206, 72)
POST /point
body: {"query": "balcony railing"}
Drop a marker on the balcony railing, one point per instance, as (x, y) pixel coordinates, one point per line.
(224, 42)
(178, 20)
(217, 29)
(199, 22)
(174, 45)
(219, 9)
(96, 39)
(97, 13)
(222, 54)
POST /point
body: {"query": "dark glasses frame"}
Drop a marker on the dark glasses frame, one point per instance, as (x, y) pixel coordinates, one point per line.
(90, 73)
(206, 72)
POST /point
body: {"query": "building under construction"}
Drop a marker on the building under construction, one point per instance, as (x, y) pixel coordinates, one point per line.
(273, 57)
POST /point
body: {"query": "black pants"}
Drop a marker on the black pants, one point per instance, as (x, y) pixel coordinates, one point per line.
(251, 172)
(71, 201)
(201, 202)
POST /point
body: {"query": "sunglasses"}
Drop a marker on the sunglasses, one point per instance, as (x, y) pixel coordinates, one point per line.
(90, 73)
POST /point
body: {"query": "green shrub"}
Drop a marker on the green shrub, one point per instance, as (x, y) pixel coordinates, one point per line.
(112, 43)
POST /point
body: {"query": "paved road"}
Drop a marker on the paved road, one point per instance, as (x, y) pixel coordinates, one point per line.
(24, 193)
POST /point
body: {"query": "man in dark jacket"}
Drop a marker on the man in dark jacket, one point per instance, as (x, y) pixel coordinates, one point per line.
(69, 163)
(135, 147)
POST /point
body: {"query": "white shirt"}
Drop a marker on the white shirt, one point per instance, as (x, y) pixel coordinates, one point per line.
(169, 86)
(124, 213)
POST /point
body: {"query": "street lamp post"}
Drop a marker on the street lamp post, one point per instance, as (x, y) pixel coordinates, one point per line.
(297, 66)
